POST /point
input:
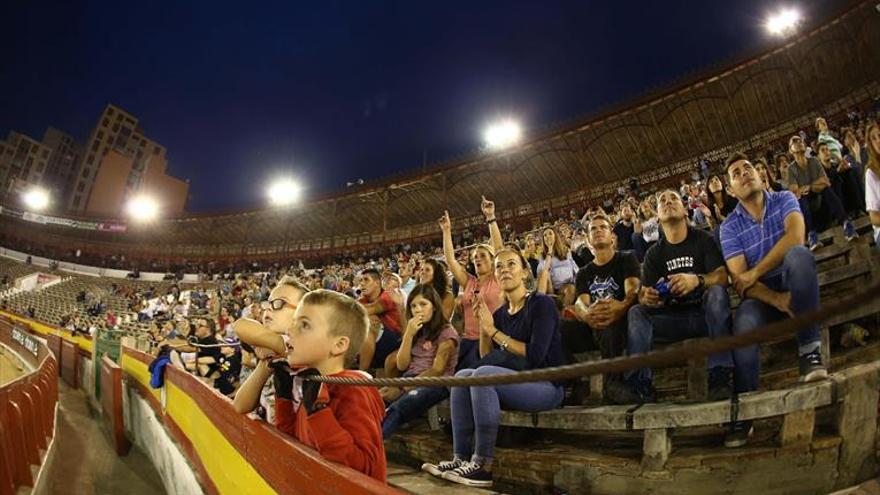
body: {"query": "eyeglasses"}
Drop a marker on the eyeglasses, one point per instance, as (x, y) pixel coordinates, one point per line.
(276, 304)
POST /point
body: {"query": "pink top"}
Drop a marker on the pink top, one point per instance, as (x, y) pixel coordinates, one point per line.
(490, 291)
(424, 351)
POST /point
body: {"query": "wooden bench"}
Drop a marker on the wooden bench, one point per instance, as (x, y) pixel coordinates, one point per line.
(853, 391)
(697, 374)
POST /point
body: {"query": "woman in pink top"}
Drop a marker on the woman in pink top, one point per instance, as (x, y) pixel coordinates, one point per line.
(428, 348)
(484, 285)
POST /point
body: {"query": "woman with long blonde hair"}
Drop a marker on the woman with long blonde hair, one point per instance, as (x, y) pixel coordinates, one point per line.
(872, 177)
(557, 270)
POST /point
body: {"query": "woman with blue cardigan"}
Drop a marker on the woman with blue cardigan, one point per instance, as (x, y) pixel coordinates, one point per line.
(522, 334)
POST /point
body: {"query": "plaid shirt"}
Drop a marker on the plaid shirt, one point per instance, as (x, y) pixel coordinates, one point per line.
(741, 234)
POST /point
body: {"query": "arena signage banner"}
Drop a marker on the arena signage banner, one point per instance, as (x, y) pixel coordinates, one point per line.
(66, 222)
(25, 341)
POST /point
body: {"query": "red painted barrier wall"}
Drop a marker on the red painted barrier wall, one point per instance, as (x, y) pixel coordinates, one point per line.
(70, 363)
(111, 403)
(27, 409)
(286, 465)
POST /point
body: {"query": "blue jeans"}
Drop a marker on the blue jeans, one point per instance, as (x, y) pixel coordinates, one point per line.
(410, 406)
(476, 411)
(830, 203)
(798, 276)
(647, 325)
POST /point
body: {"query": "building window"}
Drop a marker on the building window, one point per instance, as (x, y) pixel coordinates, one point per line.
(115, 127)
(81, 187)
(76, 201)
(85, 173)
(110, 111)
(100, 134)
(91, 159)
(95, 145)
(105, 123)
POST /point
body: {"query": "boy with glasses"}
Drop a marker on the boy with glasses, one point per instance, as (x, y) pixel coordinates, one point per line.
(268, 345)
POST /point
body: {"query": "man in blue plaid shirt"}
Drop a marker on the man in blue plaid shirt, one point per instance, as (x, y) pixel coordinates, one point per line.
(763, 246)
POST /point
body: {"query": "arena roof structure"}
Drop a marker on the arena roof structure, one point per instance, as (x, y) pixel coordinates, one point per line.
(760, 98)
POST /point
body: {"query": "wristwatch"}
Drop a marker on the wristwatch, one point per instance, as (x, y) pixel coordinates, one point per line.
(505, 343)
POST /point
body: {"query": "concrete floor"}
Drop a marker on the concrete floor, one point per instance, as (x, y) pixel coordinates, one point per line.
(85, 461)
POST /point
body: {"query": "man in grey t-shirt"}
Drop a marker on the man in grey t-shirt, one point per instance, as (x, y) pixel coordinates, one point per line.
(809, 183)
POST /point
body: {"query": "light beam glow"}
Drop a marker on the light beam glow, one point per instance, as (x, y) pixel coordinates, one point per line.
(143, 208)
(502, 134)
(36, 199)
(284, 192)
(783, 22)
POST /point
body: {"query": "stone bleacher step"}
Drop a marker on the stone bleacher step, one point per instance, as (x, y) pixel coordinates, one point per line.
(411, 480)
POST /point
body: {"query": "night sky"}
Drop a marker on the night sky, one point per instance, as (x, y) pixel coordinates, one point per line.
(335, 91)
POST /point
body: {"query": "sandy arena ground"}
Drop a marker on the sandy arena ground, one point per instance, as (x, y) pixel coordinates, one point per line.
(10, 368)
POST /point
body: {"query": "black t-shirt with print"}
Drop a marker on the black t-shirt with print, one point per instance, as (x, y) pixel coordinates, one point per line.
(607, 281)
(697, 254)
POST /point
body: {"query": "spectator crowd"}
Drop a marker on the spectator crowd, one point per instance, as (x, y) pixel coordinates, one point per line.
(653, 267)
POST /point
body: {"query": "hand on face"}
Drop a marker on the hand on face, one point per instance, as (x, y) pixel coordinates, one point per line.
(414, 324)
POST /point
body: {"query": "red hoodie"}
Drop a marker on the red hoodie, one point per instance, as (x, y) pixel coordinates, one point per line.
(347, 431)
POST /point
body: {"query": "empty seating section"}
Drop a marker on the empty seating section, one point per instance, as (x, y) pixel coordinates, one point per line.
(53, 303)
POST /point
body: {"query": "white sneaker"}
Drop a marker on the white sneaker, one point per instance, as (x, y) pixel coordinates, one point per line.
(439, 469)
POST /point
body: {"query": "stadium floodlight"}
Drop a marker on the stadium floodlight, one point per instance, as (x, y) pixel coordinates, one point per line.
(502, 134)
(284, 192)
(36, 199)
(783, 22)
(143, 208)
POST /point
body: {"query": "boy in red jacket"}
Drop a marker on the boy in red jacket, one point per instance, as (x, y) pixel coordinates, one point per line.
(342, 422)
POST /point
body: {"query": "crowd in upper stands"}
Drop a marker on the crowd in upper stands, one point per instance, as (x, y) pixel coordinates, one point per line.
(653, 267)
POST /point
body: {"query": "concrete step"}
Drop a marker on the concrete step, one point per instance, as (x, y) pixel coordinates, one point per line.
(412, 480)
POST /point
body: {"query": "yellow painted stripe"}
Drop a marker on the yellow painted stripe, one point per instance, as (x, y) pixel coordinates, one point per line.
(140, 372)
(227, 468)
(230, 472)
(82, 342)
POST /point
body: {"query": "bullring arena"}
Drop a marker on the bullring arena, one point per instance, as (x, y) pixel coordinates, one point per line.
(127, 366)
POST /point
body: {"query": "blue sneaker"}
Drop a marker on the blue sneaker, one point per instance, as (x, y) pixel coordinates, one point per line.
(738, 434)
(813, 241)
(849, 231)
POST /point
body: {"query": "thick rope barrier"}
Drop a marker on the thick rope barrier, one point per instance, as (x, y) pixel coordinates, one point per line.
(674, 354)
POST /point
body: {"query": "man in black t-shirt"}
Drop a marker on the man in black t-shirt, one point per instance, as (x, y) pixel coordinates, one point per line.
(207, 358)
(606, 288)
(624, 229)
(229, 367)
(691, 303)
